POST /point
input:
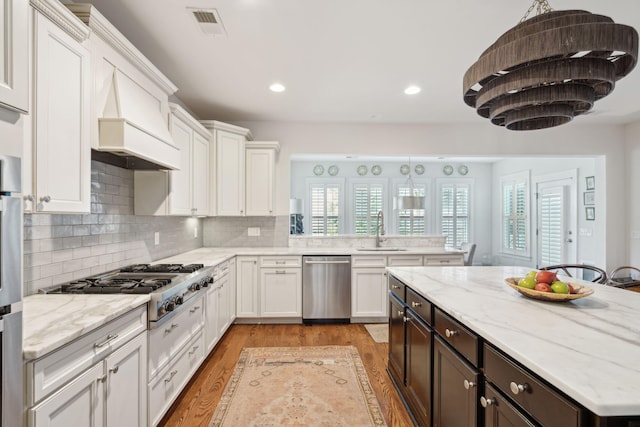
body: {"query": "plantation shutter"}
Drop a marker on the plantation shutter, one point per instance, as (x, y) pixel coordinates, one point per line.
(454, 217)
(551, 217)
(325, 209)
(411, 221)
(368, 201)
(515, 214)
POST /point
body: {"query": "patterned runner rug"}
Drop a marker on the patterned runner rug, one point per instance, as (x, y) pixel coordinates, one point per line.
(298, 386)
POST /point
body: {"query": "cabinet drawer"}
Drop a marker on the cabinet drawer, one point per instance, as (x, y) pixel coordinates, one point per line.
(171, 380)
(499, 411)
(443, 260)
(545, 405)
(419, 305)
(167, 339)
(397, 288)
(369, 261)
(456, 335)
(280, 261)
(404, 261)
(50, 372)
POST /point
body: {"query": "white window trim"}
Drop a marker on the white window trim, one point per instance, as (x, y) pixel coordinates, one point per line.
(307, 204)
(513, 179)
(351, 183)
(428, 199)
(448, 181)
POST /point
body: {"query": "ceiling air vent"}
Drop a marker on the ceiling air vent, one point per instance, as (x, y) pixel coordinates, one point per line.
(209, 21)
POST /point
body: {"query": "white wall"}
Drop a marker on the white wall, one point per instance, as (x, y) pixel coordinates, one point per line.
(574, 139)
(632, 199)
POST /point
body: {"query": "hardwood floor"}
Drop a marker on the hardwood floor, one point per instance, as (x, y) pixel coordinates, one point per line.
(198, 401)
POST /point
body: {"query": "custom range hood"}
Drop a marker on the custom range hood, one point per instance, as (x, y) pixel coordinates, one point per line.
(132, 128)
(131, 100)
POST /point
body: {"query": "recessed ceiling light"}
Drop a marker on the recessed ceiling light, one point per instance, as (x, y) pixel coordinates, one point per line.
(277, 87)
(412, 90)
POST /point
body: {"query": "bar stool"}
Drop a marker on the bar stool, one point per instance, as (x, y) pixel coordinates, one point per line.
(600, 276)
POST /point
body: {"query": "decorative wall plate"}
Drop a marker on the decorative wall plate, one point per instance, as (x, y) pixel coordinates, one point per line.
(333, 170)
(362, 170)
(463, 169)
(447, 170)
(419, 169)
(405, 169)
(318, 170)
(376, 169)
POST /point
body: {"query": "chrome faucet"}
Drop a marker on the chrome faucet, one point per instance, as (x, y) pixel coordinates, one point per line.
(379, 229)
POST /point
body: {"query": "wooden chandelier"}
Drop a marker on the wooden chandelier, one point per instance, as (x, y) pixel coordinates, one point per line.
(550, 68)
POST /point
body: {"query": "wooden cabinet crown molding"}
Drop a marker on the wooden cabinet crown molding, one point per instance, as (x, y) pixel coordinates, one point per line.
(216, 125)
(272, 145)
(178, 111)
(57, 13)
(114, 38)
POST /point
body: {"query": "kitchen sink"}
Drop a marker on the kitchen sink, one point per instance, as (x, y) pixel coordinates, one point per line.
(381, 249)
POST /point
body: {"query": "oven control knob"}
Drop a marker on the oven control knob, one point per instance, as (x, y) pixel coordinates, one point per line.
(209, 279)
(170, 306)
(194, 287)
(179, 300)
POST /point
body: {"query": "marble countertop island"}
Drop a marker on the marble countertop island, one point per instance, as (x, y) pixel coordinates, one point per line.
(50, 321)
(588, 348)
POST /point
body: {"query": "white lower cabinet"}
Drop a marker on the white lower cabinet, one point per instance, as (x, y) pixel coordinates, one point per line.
(218, 316)
(368, 292)
(269, 287)
(98, 380)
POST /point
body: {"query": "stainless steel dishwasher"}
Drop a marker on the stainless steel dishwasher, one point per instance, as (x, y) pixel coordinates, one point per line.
(326, 289)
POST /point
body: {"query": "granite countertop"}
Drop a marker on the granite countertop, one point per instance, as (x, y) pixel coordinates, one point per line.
(50, 321)
(588, 348)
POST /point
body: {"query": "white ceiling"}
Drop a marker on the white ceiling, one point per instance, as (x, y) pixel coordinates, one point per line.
(340, 60)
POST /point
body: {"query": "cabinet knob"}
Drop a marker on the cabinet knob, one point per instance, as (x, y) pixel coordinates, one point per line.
(450, 333)
(405, 319)
(518, 388)
(400, 313)
(415, 304)
(395, 287)
(28, 197)
(102, 379)
(114, 370)
(45, 199)
(486, 402)
(469, 384)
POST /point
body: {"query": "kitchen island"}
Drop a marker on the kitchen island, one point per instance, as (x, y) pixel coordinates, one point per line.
(586, 349)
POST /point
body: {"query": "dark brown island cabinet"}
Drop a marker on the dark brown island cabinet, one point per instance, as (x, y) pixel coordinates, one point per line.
(448, 376)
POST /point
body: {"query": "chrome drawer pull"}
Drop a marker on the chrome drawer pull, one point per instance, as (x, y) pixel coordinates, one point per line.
(194, 309)
(173, 374)
(281, 272)
(168, 330)
(110, 338)
(486, 402)
(194, 350)
(518, 388)
(281, 262)
(395, 287)
(114, 370)
(450, 333)
(469, 384)
(415, 304)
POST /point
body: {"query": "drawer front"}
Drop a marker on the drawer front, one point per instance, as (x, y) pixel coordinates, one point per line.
(544, 404)
(47, 374)
(280, 261)
(419, 305)
(369, 261)
(171, 380)
(166, 340)
(404, 261)
(443, 260)
(457, 336)
(397, 288)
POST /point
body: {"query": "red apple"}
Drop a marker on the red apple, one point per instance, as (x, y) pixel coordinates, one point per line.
(543, 287)
(545, 276)
(572, 290)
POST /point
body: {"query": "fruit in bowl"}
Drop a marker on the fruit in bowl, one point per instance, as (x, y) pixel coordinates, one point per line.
(547, 287)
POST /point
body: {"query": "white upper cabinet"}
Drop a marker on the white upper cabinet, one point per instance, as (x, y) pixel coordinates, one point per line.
(260, 177)
(14, 55)
(57, 154)
(230, 173)
(184, 191)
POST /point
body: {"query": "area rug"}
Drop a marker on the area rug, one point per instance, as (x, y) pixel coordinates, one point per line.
(298, 386)
(378, 331)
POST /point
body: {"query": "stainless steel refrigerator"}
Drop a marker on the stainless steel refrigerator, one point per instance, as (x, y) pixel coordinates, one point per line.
(11, 365)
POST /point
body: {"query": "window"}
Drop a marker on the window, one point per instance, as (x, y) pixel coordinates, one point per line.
(325, 207)
(368, 198)
(454, 212)
(515, 214)
(411, 221)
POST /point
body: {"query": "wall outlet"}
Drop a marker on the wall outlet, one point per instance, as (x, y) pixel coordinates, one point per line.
(253, 231)
(156, 237)
(195, 232)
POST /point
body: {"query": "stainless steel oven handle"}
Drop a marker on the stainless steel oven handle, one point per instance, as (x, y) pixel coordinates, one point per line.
(10, 249)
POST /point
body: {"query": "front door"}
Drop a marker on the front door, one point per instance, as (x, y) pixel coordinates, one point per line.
(556, 219)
